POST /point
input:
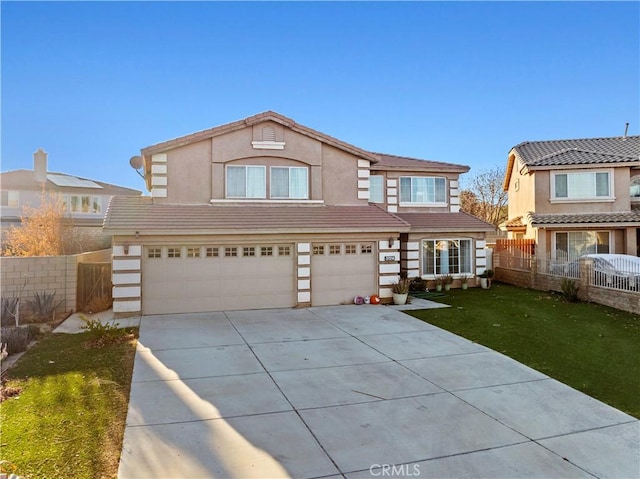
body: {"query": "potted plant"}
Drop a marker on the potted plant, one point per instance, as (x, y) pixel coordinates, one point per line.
(400, 291)
(447, 280)
(439, 283)
(464, 281)
(485, 279)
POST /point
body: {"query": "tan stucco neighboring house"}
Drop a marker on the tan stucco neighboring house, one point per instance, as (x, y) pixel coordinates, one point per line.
(575, 196)
(265, 212)
(84, 201)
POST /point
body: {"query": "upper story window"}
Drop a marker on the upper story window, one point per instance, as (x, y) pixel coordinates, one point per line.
(246, 182)
(634, 189)
(289, 182)
(421, 190)
(581, 185)
(10, 199)
(82, 204)
(285, 182)
(376, 189)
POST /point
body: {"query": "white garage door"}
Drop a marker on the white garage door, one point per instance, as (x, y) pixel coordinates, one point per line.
(342, 271)
(184, 279)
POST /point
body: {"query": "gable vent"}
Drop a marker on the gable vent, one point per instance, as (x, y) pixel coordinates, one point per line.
(268, 133)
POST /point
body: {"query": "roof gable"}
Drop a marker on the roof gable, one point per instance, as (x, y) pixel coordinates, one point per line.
(539, 155)
(253, 120)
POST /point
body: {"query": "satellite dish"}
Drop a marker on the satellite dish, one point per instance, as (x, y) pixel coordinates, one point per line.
(136, 162)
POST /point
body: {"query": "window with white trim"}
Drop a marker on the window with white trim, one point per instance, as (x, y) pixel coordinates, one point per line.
(376, 189)
(246, 181)
(83, 204)
(582, 185)
(634, 189)
(423, 190)
(447, 256)
(154, 253)
(289, 182)
(570, 245)
(10, 198)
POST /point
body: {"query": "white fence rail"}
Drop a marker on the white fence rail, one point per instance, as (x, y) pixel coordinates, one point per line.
(611, 272)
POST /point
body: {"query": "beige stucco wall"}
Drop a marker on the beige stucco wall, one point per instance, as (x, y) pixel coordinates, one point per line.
(521, 193)
(543, 204)
(189, 174)
(395, 175)
(339, 177)
(196, 172)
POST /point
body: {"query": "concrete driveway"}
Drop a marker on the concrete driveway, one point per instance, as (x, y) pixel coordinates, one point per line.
(354, 391)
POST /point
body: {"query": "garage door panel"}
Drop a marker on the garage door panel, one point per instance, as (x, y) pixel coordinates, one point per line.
(338, 278)
(215, 283)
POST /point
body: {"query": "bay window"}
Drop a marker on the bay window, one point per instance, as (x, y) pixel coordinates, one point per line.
(446, 256)
(289, 182)
(246, 182)
(421, 190)
(581, 185)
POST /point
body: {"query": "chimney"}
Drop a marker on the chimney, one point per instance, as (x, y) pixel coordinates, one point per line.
(40, 165)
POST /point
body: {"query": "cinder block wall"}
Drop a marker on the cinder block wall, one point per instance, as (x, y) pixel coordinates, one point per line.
(23, 276)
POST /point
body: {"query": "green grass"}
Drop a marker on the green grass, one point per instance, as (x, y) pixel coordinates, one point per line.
(69, 418)
(592, 348)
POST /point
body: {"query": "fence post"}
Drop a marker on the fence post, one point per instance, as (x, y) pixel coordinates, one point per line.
(586, 267)
(533, 272)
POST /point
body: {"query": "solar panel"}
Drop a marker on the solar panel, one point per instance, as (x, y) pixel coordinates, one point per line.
(72, 181)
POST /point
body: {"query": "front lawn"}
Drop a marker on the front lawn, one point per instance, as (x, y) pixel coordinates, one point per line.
(68, 419)
(592, 348)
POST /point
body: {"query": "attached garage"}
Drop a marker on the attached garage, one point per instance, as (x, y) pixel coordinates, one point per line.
(342, 271)
(199, 278)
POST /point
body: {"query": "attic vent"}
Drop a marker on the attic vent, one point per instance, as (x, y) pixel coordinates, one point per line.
(268, 133)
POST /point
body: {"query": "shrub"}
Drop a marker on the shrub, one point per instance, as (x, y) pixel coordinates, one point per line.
(16, 339)
(98, 303)
(417, 285)
(43, 305)
(569, 290)
(103, 334)
(9, 307)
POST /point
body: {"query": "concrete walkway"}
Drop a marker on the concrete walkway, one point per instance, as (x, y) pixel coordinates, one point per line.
(355, 392)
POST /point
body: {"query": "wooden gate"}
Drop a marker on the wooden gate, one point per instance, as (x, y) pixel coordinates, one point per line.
(94, 286)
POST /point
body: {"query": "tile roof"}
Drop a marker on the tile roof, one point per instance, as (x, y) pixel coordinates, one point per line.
(622, 217)
(405, 163)
(126, 215)
(585, 151)
(515, 223)
(445, 222)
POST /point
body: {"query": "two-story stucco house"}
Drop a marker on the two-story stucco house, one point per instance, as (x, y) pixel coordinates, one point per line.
(575, 196)
(265, 212)
(84, 201)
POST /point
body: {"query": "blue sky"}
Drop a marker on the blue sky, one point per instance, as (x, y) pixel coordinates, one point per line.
(94, 82)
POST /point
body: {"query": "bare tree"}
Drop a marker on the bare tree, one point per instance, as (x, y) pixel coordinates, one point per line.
(484, 197)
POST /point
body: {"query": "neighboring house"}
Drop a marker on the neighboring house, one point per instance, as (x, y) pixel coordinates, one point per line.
(265, 212)
(84, 201)
(575, 196)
